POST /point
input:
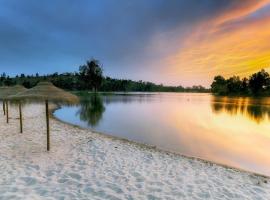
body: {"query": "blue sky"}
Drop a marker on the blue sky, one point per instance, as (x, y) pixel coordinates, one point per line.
(132, 39)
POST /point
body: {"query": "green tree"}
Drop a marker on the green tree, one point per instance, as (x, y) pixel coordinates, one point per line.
(92, 74)
(244, 86)
(9, 81)
(219, 85)
(259, 82)
(234, 85)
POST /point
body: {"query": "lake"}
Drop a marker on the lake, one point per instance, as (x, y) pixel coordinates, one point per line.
(228, 130)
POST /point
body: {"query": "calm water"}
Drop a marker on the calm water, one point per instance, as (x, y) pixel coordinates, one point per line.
(231, 131)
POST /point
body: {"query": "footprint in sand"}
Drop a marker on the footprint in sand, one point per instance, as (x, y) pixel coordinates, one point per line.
(75, 176)
(29, 180)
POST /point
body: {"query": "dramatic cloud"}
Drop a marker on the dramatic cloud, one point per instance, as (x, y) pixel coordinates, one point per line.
(234, 43)
(174, 42)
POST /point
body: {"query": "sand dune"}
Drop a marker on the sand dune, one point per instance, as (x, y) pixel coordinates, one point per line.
(87, 165)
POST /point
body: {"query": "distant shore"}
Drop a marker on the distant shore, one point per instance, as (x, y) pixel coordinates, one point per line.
(84, 164)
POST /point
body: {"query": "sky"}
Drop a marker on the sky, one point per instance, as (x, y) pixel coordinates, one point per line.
(175, 42)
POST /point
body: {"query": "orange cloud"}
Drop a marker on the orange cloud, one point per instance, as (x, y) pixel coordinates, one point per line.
(234, 43)
(241, 9)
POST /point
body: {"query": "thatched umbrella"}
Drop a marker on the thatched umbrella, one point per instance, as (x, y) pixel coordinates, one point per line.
(5, 92)
(45, 92)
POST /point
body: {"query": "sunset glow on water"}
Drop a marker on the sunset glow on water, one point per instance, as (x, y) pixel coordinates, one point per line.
(230, 131)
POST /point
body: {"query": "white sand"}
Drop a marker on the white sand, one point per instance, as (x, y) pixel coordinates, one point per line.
(86, 165)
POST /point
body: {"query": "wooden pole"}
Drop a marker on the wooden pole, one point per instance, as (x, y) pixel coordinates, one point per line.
(48, 125)
(4, 107)
(7, 110)
(20, 111)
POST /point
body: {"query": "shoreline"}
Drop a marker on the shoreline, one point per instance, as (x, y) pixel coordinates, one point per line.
(84, 164)
(152, 147)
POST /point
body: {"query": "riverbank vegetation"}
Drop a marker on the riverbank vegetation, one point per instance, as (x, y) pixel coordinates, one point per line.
(258, 84)
(90, 77)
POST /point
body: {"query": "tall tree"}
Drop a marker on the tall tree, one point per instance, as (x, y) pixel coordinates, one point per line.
(244, 86)
(92, 74)
(258, 82)
(234, 85)
(219, 85)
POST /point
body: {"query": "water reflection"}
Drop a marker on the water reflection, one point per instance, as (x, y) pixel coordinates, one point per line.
(257, 109)
(92, 105)
(223, 130)
(91, 109)
(127, 98)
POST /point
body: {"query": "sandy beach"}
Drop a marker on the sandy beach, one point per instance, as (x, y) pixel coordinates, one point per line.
(87, 165)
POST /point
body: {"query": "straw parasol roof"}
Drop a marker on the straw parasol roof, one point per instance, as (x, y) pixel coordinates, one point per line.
(3, 91)
(46, 91)
(7, 91)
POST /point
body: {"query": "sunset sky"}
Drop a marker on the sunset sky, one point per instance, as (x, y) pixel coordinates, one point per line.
(172, 42)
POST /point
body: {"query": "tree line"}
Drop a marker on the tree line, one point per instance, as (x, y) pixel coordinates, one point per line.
(90, 77)
(258, 84)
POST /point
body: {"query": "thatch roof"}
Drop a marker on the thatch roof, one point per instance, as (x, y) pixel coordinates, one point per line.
(46, 91)
(7, 91)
